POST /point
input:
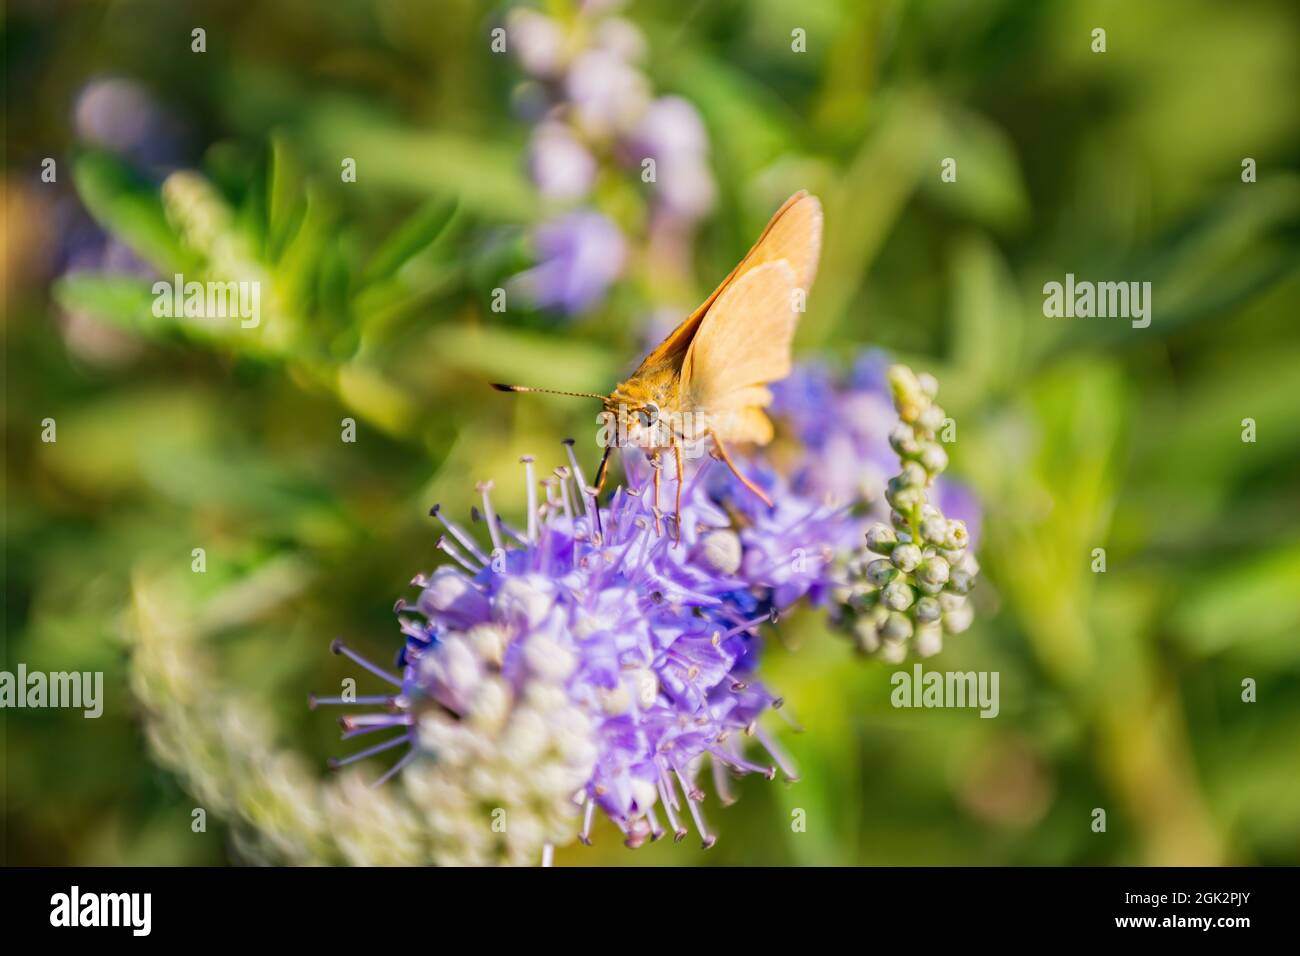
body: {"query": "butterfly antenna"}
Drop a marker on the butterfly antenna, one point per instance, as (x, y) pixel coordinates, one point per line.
(546, 391)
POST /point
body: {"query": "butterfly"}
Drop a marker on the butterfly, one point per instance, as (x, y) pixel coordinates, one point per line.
(706, 383)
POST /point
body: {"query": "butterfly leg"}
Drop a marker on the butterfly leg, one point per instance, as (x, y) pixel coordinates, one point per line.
(722, 450)
(603, 471)
(657, 465)
(677, 515)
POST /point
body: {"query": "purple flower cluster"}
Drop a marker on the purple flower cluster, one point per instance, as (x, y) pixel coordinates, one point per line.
(633, 649)
(594, 109)
(603, 657)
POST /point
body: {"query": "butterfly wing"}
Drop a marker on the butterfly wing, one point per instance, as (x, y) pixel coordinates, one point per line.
(743, 344)
(794, 234)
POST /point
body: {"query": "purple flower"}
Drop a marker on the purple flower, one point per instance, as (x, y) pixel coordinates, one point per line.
(562, 167)
(538, 41)
(672, 134)
(607, 94)
(581, 254)
(842, 426)
(620, 37)
(791, 550)
(595, 110)
(120, 115)
(584, 661)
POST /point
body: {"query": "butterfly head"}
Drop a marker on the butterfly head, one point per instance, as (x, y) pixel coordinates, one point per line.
(636, 408)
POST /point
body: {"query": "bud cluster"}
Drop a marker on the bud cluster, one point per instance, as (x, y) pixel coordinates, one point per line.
(910, 583)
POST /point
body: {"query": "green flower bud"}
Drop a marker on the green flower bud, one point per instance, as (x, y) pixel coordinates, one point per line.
(956, 538)
(865, 636)
(903, 440)
(852, 590)
(934, 571)
(909, 397)
(864, 597)
(959, 582)
(881, 538)
(905, 557)
(962, 578)
(918, 592)
(928, 640)
(881, 571)
(905, 499)
(934, 530)
(951, 602)
(928, 610)
(956, 621)
(933, 458)
(897, 627)
(892, 652)
(928, 587)
(930, 419)
(897, 596)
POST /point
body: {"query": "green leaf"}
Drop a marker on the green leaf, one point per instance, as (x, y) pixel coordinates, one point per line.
(425, 226)
(989, 188)
(864, 205)
(285, 204)
(129, 208)
(1217, 260)
(485, 176)
(987, 324)
(1249, 604)
(125, 301)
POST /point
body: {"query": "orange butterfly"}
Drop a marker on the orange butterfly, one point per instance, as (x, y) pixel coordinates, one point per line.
(707, 381)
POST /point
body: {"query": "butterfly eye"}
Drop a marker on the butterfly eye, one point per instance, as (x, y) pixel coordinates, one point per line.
(648, 414)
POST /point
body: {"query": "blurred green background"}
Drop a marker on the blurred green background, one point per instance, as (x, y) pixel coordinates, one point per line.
(1119, 690)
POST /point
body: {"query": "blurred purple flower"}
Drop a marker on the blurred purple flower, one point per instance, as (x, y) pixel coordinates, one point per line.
(562, 167)
(608, 95)
(538, 41)
(580, 255)
(672, 126)
(121, 115)
(672, 133)
(594, 107)
(601, 6)
(620, 37)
